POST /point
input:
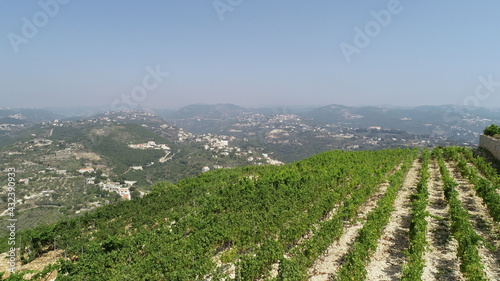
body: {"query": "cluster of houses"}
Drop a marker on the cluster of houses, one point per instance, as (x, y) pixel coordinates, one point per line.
(121, 189)
(217, 143)
(149, 145)
(183, 136)
(215, 167)
(15, 126)
(266, 158)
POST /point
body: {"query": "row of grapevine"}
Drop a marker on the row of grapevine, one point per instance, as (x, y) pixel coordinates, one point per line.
(366, 242)
(412, 270)
(487, 187)
(461, 228)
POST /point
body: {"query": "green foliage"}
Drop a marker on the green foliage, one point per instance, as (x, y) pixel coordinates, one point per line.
(162, 188)
(123, 156)
(354, 267)
(467, 238)
(15, 277)
(358, 190)
(491, 130)
(486, 187)
(254, 214)
(413, 269)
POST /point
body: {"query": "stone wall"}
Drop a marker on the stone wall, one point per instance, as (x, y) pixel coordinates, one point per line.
(491, 144)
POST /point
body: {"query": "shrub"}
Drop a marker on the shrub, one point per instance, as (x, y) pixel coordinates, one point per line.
(491, 130)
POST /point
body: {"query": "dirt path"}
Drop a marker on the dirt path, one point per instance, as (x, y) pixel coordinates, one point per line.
(482, 223)
(329, 262)
(441, 261)
(387, 261)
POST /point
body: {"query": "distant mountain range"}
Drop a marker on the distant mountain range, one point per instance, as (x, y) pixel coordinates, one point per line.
(456, 123)
(444, 120)
(26, 115)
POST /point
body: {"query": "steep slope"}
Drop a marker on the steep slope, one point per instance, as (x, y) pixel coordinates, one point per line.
(337, 215)
(245, 217)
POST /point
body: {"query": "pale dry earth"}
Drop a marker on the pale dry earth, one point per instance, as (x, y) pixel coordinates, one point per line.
(441, 260)
(38, 264)
(386, 263)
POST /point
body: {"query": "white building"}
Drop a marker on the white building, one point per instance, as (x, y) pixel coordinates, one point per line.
(86, 170)
(124, 192)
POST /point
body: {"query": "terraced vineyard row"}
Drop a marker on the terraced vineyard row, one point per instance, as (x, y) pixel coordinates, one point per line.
(434, 227)
(372, 215)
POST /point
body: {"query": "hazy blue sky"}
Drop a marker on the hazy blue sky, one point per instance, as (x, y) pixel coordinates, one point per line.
(70, 52)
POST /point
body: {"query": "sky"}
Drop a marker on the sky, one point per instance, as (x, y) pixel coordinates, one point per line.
(167, 54)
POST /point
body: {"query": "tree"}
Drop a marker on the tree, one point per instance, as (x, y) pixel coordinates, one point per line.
(491, 130)
(161, 187)
(135, 194)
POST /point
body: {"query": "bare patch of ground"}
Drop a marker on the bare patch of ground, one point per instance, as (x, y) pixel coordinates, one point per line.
(87, 155)
(38, 264)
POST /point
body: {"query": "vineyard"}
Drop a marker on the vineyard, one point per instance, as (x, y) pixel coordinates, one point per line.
(371, 215)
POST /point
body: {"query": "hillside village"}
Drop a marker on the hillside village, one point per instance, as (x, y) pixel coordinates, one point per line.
(69, 175)
(64, 165)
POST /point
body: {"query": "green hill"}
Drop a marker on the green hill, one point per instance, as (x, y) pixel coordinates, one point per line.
(245, 218)
(50, 155)
(367, 215)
